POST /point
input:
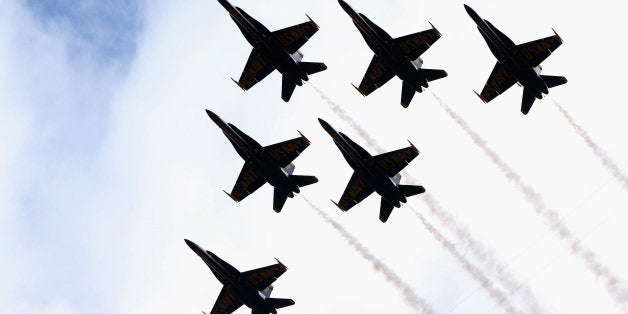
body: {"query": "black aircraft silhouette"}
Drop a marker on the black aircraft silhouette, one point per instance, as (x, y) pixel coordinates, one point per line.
(274, 50)
(251, 288)
(398, 56)
(272, 164)
(374, 174)
(517, 64)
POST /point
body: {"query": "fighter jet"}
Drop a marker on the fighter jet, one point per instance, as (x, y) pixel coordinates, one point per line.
(374, 174)
(519, 64)
(251, 288)
(399, 56)
(272, 164)
(274, 50)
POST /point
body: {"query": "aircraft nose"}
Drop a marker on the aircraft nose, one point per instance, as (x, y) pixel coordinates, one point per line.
(345, 6)
(193, 246)
(470, 11)
(325, 125)
(212, 115)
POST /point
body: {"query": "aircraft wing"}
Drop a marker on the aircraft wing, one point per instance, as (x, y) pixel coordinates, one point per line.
(285, 152)
(355, 192)
(293, 37)
(255, 70)
(538, 50)
(393, 162)
(414, 45)
(248, 182)
(226, 303)
(263, 277)
(497, 83)
(376, 75)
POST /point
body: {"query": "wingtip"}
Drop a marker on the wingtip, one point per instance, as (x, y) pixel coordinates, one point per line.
(239, 84)
(358, 89)
(312, 21)
(480, 96)
(435, 29)
(280, 263)
(341, 208)
(231, 196)
(303, 137)
(558, 36)
(414, 147)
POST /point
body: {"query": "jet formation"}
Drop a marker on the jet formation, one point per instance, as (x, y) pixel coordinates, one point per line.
(517, 64)
(374, 174)
(399, 56)
(274, 50)
(251, 288)
(272, 164)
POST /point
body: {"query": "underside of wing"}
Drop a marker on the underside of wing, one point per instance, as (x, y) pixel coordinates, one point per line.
(497, 83)
(248, 182)
(263, 277)
(414, 45)
(285, 152)
(256, 69)
(355, 192)
(226, 303)
(376, 75)
(538, 50)
(393, 162)
(293, 37)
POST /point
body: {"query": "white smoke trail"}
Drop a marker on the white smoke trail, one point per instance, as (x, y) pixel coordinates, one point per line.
(496, 294)
(391, 277)
(611, 281)
(483, 255)
(344, 116)
(609, 163)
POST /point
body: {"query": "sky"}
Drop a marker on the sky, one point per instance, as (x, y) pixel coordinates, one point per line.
(108, 160)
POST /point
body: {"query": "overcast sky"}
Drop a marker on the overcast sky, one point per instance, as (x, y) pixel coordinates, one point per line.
(108, 160)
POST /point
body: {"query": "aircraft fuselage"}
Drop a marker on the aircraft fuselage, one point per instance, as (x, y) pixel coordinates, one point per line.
(252, 152)
(383, 45)
(364, 164)
(506, 53)
(231, 278)
(261, 39)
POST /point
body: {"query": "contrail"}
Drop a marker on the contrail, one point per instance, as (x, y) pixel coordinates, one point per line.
(496, 294)
(406, 290)
(344, 116)
(612, 282)
(609, 163)
(484, 256)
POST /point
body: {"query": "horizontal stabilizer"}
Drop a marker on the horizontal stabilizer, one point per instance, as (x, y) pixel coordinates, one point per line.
(407, 93)
(287, 88)
(279, 303)
(279, 199)
(527, 101)
(553, 81)
(313, 67)
(410, 190)
(385, 209)
(303, 180)
(432, 75)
